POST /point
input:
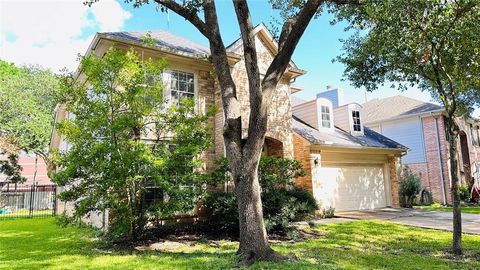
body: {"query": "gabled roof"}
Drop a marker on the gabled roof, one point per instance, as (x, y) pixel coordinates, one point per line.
(297, 101)
(166, 41)
(266, 35)
(341, 138)
(378, 110)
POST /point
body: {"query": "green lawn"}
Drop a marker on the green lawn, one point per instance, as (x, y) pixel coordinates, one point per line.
(438, 207)
(26, 213)
(40, 244)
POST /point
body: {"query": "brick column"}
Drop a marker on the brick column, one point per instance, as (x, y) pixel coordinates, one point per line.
(394, 167)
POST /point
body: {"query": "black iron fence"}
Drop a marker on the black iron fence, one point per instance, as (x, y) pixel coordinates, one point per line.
(27, 201)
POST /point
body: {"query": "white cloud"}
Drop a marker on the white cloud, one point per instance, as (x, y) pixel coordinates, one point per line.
(53, 33)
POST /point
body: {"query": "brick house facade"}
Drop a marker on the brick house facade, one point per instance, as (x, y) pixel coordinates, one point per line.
(428, 141)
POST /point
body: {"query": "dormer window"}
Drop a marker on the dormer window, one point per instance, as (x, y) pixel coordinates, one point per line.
(357, 126)
(324, 115)
(326, 121)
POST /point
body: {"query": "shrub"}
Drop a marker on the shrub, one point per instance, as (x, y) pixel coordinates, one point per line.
(279, 207)
(464, 191)
(328, 212)
(425, 197)
(409, 186)
(282, 201)
(224, 207)
(282, 206)
(273, 173)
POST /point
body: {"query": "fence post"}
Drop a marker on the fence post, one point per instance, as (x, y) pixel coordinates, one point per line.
(32, 197)
(54, 200)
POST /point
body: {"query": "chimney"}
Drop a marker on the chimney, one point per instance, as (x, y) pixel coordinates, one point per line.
(334, 95)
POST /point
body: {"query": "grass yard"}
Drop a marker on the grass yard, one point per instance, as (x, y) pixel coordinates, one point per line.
(26, 213)
(41, 244)
(439, 207)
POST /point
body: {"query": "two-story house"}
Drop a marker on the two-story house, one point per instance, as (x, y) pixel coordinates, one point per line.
(191, 74)
(421, 126)
(348, 166)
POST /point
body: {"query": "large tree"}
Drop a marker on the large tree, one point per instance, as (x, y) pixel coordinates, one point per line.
(27, 101)
(244, 153)
(433, 44)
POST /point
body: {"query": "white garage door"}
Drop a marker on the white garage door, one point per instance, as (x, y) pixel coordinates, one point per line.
(349, 188)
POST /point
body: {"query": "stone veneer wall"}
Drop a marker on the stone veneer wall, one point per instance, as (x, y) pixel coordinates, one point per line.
(280, 111)
(206, 98)
(394, 170)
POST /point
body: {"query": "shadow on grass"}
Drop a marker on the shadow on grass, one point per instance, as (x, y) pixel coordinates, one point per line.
(40, 244)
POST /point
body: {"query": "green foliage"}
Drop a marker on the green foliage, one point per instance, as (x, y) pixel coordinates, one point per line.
(224, 207)
(328, 212)
(28, 96)
(428, 43)
(11, 169)
(409, 187)
(465, 192)
(282, 206)
(282, 201)
(425, 197)
(273, 173)
(124, 138)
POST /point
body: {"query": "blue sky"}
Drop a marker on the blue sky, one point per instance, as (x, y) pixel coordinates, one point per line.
(52, 33)
(319, 45)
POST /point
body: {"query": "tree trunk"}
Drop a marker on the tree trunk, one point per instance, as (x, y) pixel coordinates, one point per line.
(457, 215)
(253, 236)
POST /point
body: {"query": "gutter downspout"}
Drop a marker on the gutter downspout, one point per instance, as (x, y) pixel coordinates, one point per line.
(440, 161)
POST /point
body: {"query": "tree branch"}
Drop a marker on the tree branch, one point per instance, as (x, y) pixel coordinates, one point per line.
(292, 31)
(232, 131)
(258, 111)
(187, 14)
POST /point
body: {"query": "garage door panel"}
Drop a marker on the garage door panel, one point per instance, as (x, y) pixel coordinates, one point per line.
(351, 188)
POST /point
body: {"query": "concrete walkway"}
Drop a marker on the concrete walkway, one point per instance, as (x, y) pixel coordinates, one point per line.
(418, 218)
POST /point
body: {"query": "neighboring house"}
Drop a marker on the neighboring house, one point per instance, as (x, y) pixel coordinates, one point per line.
(348, 166)
(34, 169)
(421, 126)
(189, 63)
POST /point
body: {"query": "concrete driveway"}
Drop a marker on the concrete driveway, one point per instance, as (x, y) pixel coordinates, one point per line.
(418, 218)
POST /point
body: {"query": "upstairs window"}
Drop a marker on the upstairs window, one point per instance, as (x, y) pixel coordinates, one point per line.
(326, 121)
(356, 121)
(181, 86)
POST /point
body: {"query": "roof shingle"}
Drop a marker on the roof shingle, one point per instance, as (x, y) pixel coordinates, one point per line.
(377, 110)
(165, 40)
(342, 138)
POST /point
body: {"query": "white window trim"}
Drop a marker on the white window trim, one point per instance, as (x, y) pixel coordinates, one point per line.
(166, 79)
(327, 103)
(350, 117)
(329, 115)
